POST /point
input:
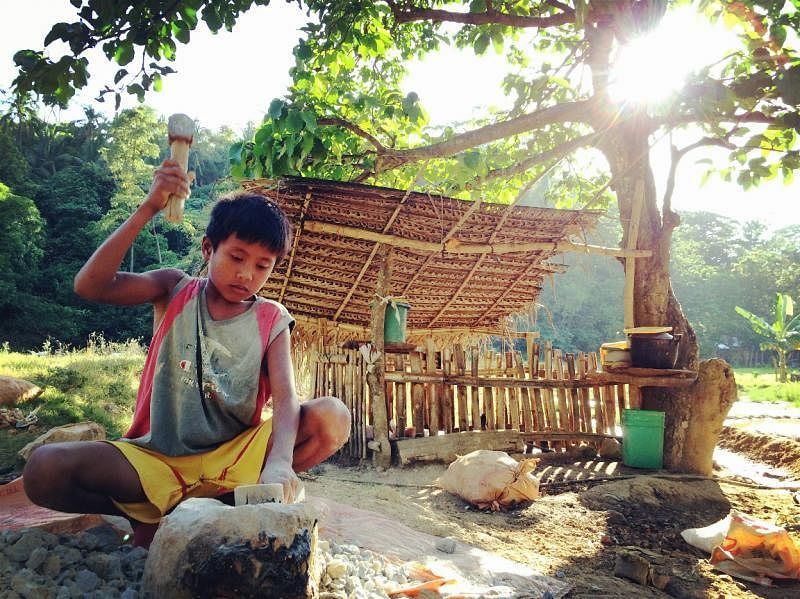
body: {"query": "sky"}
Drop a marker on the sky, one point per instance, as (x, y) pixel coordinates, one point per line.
(230, 79)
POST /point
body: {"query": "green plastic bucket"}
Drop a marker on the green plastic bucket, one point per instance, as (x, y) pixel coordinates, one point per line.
(394, 322)
(643, 438)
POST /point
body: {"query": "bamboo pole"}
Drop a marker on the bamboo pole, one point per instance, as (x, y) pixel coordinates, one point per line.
(461, 390)
(563, 407)
(447, 403)
(525, 398)
(583, 393)
(572, 394)
(547, 392)
(599, 407)
(475, 409)
(417, 396)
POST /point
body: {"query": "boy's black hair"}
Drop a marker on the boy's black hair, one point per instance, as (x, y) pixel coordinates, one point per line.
(254, 218)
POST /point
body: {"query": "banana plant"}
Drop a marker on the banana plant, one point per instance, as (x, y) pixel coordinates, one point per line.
(783, 335)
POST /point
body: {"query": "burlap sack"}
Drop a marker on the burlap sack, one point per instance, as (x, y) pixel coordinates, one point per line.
(491, 479)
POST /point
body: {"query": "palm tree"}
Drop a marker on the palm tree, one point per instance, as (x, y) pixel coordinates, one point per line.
(782, 336)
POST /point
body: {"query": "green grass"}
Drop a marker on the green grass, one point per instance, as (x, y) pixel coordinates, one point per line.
(97, 383)
(760, 384)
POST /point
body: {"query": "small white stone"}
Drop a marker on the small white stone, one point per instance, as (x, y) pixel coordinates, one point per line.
(336, 568)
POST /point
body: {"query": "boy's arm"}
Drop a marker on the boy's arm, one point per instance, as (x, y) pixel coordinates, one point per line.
(99, 279)
(285, 417)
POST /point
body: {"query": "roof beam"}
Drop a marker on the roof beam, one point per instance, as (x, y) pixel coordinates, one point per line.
(454, 246)
(295, 243)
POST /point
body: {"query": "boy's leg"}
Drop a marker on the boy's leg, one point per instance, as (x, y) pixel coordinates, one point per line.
(80, 477)
(324, 428)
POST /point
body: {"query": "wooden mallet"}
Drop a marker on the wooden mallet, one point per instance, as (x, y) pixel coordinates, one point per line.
(181, 133)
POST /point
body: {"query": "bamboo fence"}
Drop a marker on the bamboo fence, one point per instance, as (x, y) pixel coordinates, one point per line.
(437, 392)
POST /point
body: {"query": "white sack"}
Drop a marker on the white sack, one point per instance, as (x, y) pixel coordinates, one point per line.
(491, 479)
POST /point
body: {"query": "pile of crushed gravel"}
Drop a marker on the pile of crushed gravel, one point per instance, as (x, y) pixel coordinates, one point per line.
(35, 564)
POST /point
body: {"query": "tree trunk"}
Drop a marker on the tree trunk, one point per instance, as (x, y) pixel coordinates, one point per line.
(693, 416)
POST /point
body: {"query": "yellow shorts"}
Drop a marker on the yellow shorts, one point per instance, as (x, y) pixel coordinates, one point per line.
(169, 480)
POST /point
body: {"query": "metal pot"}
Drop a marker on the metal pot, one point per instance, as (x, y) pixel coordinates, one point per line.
(654, 351)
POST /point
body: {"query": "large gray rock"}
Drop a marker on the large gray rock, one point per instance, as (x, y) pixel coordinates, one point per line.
(205, 548)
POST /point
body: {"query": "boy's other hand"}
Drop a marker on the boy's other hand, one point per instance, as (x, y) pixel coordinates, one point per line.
(169, 179)
(281, 473)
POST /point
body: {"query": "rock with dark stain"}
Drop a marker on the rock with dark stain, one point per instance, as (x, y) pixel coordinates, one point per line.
(206, 549)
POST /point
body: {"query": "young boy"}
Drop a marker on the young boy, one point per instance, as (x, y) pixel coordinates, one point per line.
(218, 353)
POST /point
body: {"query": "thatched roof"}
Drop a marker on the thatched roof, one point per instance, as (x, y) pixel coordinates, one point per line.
(331, 273)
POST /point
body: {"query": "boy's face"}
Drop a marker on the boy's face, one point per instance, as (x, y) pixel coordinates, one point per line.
(237, 268)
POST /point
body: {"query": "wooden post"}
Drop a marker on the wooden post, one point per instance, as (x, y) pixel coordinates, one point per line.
(575, 403)
(525, 398)
(563, 407)
(474, 403)
(461, 390)
(599, 407)
(433, 388)
(547, 392)
(447, 400)
(417, 396)
(381, 447)
(630, 262)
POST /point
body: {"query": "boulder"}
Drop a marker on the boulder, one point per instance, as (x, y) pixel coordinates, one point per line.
(15, 391)
(205, 548)
(80, 431)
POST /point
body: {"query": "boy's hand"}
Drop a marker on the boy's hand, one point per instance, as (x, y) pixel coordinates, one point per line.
(281, 473)
(169, 179)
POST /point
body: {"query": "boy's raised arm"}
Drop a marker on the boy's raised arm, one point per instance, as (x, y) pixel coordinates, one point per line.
(100, 280)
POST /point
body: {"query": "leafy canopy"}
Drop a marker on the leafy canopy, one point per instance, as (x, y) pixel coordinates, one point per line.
(345, 116)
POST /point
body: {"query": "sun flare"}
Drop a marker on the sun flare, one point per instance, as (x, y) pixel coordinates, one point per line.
(651, 67)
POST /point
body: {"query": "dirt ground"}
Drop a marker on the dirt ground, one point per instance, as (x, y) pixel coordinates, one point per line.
(576, 529)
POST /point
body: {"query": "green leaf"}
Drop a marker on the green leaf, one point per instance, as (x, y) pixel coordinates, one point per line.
(120, 75)
(124, 54)
(481, 43)
(472, 159)
(303, 51)
(294, 121)
(59, 31)
(276, 108)
(235, 152)
(181, 31)
(27, 59)
(310, 120)
(789, 86)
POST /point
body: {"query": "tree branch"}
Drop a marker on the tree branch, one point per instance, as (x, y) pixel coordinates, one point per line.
(554, 153)
(576, 112)
(669, 218)
(340, 122)
(404, 14)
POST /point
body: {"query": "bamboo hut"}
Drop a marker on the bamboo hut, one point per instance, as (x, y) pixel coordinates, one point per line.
(464, 267)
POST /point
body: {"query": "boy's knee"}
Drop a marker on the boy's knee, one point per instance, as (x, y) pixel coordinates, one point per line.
(335, 421)
(40, 472)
